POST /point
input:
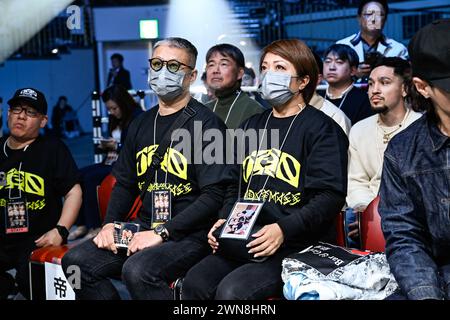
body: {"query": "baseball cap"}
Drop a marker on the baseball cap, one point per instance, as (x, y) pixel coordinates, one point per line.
(429, 51)
(33, 97)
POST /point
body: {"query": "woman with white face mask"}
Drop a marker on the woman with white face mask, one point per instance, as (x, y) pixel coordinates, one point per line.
(295, 173)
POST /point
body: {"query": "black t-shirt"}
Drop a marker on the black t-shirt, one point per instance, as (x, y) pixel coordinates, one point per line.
(47, 173)
(356, 105)
(312, 160)
(184, 171)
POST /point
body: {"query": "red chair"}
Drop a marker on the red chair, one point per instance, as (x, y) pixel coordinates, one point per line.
(340, 232)
(372, 237)
(54, 254)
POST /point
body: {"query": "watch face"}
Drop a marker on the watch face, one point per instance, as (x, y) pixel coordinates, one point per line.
(159, 228)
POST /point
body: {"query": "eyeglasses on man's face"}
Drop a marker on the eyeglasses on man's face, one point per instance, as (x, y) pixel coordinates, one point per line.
(172, 65)
(30, 112)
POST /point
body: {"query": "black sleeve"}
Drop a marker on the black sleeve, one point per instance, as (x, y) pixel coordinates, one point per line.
(325, 182)
(119, 204)
(210, 178)
(65, 169)
(322, 208)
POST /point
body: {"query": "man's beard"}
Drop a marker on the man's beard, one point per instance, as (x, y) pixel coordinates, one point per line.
(382, 109)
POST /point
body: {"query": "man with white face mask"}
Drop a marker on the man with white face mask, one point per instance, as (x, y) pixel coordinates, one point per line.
(167, 245)
(370, 40)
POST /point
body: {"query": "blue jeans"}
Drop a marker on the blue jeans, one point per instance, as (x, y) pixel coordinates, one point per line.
(146, 274)
(217, 277)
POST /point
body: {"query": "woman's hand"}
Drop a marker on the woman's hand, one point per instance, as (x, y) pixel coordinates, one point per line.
(267, 241)
(211, 239)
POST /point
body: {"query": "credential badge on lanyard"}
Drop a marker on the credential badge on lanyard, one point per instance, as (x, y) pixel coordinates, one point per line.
(16, 216)
(161, 207)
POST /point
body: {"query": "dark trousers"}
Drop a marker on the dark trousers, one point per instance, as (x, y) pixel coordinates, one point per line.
(220, 278)
(15, 256)
(90, 178)
(146, 274)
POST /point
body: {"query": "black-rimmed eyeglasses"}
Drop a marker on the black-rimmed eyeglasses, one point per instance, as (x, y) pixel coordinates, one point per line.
(30, 112)
(172, 65)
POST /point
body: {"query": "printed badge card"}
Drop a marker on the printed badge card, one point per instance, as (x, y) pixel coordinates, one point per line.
(241, 220)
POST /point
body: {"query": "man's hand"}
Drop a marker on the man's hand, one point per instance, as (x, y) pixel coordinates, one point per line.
(267, 241)
(211, 239)
(105, 238)
(142, 240)
(50, 238)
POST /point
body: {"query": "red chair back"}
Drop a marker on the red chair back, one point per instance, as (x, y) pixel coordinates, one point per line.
(104, 193)
(372, 237)
(340, 233)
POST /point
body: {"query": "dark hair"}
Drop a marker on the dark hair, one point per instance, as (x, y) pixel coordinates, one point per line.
(402, 68)
(343, 52)
(299, 54)
(383, 3)
(420, 104)
(318, 61)
(227, 50)
(180, 43)
(126, 103)
(117, 56)
(250, 72)
(203, 77)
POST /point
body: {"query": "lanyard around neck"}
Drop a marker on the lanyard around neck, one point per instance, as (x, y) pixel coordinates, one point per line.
(231, 107)
(20, 170)
(343, 95)
(259, 149)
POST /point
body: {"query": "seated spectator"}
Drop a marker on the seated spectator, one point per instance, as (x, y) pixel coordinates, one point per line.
(339, 66)
(299, 206)
(122, 110)
(326, 106)
(370, 41)
(389, 84)
(164, 250)
(37, 172)
(225, 65)
(414, 191)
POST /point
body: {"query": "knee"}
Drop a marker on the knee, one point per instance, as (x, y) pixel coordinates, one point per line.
(135, 272)
(195, 287)
(70, 258)
(229, 290)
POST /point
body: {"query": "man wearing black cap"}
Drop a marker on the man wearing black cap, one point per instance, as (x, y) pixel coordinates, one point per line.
(415, 184)
(35, 174)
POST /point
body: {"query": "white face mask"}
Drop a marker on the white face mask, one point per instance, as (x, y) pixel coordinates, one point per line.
(165, 84)
(275, 87)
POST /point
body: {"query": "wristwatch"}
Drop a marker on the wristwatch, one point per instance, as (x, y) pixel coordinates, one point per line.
(160, 230)
(63, 232)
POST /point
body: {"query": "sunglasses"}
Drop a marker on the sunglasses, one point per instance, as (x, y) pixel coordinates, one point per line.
(30, 112)
(172, 65)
